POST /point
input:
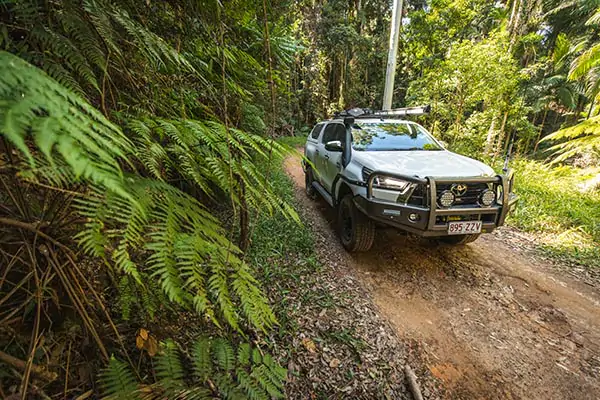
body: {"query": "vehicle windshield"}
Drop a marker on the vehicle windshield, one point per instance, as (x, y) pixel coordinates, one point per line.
(386, 136)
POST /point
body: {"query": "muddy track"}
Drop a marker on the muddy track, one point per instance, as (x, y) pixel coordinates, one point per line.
(495, 322)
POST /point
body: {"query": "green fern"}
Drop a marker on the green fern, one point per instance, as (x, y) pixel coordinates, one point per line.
(201, 356)
(126, 297)
(186, 250)
(117, 381)
(208, 154)
(223, 354)
(576, 139)
(243, 355)
(169, 370)
(66, 129)
(220, 375)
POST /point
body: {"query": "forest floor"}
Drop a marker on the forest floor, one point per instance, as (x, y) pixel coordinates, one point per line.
(494, 319)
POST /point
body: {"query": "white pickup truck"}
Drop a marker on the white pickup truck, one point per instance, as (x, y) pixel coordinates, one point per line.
(377, 168)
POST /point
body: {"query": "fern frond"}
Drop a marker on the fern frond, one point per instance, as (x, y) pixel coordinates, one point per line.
(580, 138)
(267, 380)
(223, 354)
(201, 357)
(250, 386)
(154, 48)
(34, 105)
(169, 370)
(117, 381)
(243, 355)
(585, 62)
(64, 48)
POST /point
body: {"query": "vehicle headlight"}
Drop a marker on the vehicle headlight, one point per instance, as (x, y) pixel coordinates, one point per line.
(446, 198)
(383, 182)
(487, 197)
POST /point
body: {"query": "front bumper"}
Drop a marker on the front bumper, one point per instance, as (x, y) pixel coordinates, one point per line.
(432, 220)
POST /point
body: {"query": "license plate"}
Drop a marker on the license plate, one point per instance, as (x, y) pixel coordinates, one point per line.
(464, 227)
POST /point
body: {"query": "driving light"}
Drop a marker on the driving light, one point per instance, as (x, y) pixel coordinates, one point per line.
(487, 198)
(412, 217)
(446, 199)
(391, 184)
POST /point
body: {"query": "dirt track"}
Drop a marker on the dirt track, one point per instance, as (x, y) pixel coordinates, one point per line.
(495, 322)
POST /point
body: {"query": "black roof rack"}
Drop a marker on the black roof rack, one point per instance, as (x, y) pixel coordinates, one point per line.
(396, 112)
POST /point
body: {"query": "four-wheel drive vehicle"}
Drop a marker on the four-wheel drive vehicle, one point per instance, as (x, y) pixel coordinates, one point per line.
(379, 169)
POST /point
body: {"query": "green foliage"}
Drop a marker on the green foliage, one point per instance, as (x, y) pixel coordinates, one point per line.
(223, 376)
(211, 156)
(581, 138)
(552, 204)
(185, 249)
(75, 141)
(118, 382)
(475, 75)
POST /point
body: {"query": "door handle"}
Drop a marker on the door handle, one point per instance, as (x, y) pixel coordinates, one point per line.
(317, 151)
(327, 156)
(339, 165)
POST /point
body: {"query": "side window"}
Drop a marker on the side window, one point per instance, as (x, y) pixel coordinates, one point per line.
(316, 131)
(334, 132)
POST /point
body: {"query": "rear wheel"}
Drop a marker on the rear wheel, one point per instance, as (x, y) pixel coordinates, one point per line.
(311, 192)
(356, 230)
(459, 239)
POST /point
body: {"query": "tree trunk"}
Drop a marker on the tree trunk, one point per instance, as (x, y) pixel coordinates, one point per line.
(589, 114)
(513, 13)
(516, 25)
(491, 135)
(341, 100)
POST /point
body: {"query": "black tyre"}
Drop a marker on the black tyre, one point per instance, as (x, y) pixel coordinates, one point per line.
(459, 239)
(356, 230)
(311, 192)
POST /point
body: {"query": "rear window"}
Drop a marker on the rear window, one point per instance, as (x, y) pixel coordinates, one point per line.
(316, 131)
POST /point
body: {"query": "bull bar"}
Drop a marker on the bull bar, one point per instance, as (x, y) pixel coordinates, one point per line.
(396, 214)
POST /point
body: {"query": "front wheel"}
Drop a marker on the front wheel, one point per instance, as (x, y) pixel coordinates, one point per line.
(356, 230)
(459, 239)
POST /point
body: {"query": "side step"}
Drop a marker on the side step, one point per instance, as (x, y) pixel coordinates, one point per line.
(323, 192)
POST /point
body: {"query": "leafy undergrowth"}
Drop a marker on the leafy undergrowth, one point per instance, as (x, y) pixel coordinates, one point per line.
(293, 141)
(330, 335)
(552, 205)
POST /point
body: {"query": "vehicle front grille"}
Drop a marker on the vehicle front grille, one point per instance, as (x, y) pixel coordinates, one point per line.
(366, 172)
(418, 196)
(471, 196)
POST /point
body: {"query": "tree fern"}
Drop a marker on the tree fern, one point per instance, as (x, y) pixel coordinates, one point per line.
(186, 250)
(64, 127)
(207, 153)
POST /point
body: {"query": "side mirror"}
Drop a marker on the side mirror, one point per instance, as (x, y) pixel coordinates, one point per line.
(334, 145)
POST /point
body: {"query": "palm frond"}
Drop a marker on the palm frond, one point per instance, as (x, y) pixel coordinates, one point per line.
(580, 138)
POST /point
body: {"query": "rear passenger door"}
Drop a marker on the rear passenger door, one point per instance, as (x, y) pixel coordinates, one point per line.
(312, 143)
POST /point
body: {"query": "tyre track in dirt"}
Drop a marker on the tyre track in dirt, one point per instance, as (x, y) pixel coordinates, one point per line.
(494, 322)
